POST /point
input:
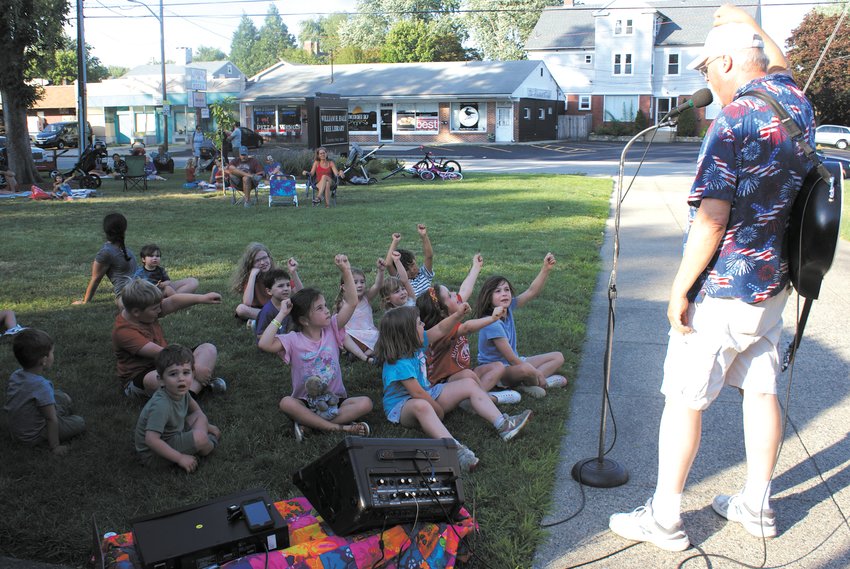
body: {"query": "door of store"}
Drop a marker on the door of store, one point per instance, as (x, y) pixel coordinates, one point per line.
(385, 133)
(504, 124)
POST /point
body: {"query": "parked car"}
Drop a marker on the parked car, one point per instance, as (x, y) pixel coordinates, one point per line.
(250, 138)
(60, 135)
(43, 162)
(833, 135)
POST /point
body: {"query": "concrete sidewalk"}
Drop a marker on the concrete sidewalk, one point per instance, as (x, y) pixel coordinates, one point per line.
(811, 486)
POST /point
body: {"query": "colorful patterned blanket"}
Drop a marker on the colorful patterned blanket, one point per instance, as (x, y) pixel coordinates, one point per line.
(313, 545)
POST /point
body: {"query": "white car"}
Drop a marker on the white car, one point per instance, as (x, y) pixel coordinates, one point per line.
(833, 135)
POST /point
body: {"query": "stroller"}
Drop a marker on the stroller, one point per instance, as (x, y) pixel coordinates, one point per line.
(207, 157)
(357, 162)
(92, 158)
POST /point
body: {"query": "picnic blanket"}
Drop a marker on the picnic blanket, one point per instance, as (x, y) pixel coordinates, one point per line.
(313, 545)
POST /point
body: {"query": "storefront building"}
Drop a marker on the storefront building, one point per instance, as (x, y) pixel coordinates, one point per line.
(412, 103)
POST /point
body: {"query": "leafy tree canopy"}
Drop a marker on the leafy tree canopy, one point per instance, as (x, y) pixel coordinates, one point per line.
(272, 43)
(421, 40)
(204, 53)
(501, 35)
(116, 71)
(324, 30)
(829, 90)
(242, 44)
(369, 28)
(59, 64)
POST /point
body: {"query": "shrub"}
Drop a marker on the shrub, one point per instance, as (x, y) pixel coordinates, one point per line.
(687, 125)
(640, 121)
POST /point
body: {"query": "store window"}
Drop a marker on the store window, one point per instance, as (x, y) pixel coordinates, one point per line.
(417, 117)
(469, 117)
(363, 118)
(289, 120)
(264, 120)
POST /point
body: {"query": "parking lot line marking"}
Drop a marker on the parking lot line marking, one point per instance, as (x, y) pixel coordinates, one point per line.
(495, 148)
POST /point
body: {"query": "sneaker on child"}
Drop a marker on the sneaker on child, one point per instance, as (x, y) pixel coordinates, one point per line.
(556, 381)
(758, 523)
(513, 424)
(251, 325)
(640, 525)
(505, 396)
(299, 434)
(14, 330)
(467, 459)
(532, 391)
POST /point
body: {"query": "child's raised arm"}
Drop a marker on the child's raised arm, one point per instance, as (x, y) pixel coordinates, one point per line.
(416, 392)
(471, 326)
(539, 281)
(447, 324)
(388, 260)
(401, 273)
(349, 292)
(268, 341)
(379, 280)
(248, 291)
(427, 251)
(182, 300)
(468, 283)
(292, 265)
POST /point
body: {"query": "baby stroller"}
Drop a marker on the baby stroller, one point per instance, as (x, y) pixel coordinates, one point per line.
(92, 158)
(355, 171)
(207, 156)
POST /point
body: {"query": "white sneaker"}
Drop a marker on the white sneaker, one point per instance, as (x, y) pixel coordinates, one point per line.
(556, 381)
(466, 458)
(299, 434)
(505, 397)
(733, 508)
(640, 525)
(14, 330)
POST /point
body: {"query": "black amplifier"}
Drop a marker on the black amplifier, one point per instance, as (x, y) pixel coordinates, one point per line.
(365, 483)
(209, 534)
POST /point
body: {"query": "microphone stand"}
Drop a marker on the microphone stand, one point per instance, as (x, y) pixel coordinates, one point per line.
(601, 472)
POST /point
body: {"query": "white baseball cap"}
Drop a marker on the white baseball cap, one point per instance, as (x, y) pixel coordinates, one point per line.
(726, 39)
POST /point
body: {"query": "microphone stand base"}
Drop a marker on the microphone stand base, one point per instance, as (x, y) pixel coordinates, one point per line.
(600, 473)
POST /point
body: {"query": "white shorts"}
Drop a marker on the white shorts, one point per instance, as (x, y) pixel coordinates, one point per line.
(733, 343)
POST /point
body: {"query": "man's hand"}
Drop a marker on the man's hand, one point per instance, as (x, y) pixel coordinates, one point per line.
(677, 314)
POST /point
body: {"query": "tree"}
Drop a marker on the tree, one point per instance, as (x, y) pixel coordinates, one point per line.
(419, 41)
(369, 28)
(324, 30)
(205, 53)
(116, 71)
(829, 90)
(273, 41)
(500, 29)
(27, 27)
(242, 44)
(59, 65)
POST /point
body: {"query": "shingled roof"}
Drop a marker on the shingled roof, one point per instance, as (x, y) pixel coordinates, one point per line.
(684, 22)
(394, 80)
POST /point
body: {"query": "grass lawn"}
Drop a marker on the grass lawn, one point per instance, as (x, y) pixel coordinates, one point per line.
(46, 261)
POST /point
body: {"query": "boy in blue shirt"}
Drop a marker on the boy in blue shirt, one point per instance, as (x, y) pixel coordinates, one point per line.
(37, 411)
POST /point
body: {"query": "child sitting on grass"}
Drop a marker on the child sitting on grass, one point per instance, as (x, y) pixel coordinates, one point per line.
(312, 349)
(38, 412)
(420, 276)
(137, 339)
(409, 399)
(361, 334)
(172, 427)
(153, 272)
(61, 188)
(396, 290)
(279, 286)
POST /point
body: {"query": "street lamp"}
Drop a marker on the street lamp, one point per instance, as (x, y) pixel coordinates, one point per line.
(166, 108)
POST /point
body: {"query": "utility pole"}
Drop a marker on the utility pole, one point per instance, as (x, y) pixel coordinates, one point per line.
(166, 108)
(81, 81)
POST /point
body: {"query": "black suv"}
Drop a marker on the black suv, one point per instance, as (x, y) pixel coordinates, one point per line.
(60, 135)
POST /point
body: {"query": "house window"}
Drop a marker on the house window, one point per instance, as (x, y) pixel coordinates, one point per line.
(229, 69)
(664, 105)
(541, 114)
(622, 64)
(588, 59)
(620, 108)
(526, 113)
(584, 102)
(672, 64)
(623, 27)
(469, 117)
(550, 111)
(419, 117)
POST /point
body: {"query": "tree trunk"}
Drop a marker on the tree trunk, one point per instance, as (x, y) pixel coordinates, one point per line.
(18, 141)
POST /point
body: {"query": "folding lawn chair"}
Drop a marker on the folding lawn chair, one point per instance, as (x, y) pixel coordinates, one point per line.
(310, 193)
(237, 197)
(282, 190)
(135, 176)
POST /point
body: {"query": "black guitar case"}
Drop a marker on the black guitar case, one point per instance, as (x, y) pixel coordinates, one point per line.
(814, 223)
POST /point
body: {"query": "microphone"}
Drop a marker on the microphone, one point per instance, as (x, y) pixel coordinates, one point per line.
(700, 99)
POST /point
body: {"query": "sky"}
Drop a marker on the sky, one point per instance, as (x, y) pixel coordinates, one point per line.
(126, 34)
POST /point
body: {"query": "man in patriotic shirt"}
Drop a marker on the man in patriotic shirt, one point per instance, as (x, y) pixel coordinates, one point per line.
(728, 295)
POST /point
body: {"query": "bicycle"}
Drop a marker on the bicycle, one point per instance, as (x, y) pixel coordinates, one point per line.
(445, 175)
(431, 163)
(404, 170)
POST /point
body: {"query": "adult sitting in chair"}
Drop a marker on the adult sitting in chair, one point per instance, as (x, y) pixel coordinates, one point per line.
(245, 172)
(321, 172)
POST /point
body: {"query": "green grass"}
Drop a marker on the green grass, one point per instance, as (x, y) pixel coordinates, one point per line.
(47, 253)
